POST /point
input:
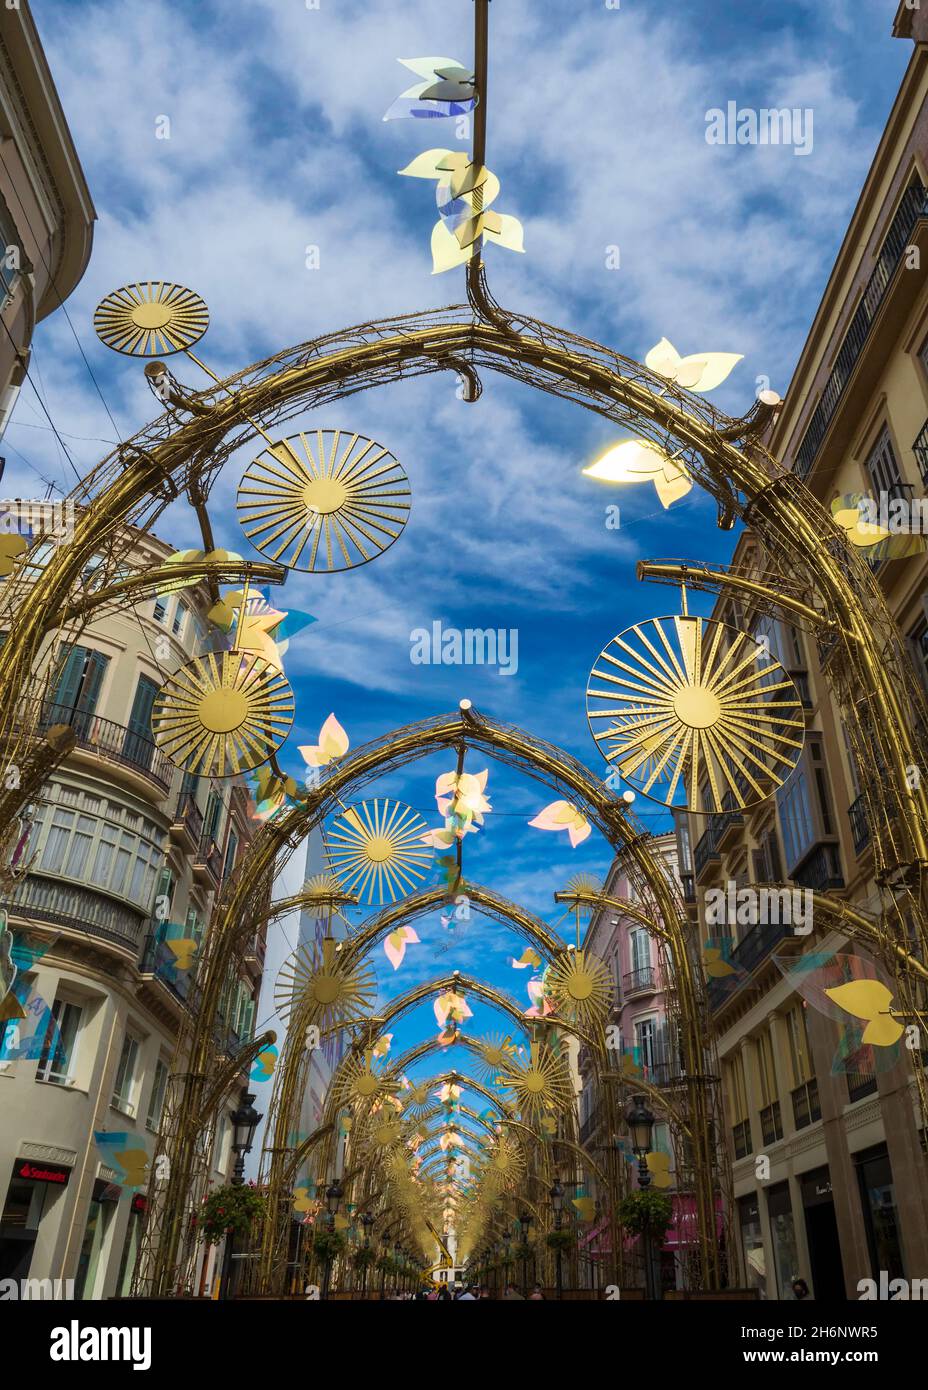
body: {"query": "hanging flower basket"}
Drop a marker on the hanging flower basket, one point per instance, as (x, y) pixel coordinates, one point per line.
(560, 1240)
(328, 1244)
(364, 1257)
(646, 1210)
(229, 1209)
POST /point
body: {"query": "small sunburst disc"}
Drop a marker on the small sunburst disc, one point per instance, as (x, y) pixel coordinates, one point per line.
(151, 319)
(223, 713)
(324, 500)
(695, 714)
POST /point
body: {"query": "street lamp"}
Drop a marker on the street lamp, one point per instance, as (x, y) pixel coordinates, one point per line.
(245, 1120)
(525, 1222)
(333, 1196)
(640, 1123)
(557, 1205)
(367, 1221)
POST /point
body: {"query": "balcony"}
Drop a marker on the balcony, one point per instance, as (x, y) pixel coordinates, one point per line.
(70, 905)
(860, 825)
(920, 450)
(591, 1124)
(806, 1107)
(771, 1124)
(207, 862)
(800, 680)
(187, 821)
(820, 870)
(860, 1084)
(910, 210)
(689, 888)
(750, 951)
(160, 961)
(718, 837)
(641, 981)
(114, 742)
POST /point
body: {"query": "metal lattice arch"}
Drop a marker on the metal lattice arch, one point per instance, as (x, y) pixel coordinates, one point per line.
(184, 450)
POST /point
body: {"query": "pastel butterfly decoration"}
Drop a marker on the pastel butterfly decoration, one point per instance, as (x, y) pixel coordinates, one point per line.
(562, 815)
(447, 89)
(333, 743)
(701, 371)
(395, 944)
(639, 461)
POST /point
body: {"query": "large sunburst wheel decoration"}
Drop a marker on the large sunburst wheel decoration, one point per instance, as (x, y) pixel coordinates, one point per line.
(223, 713)
(695, 714)
(324, 501)
(496, 1053)
(151, 319)
(334, 990)
(360, 1083)
(376, 850)
(581, 987)
(541, 1085)
(505, 1165)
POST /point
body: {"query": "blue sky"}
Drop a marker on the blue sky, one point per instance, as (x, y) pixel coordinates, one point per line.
(597, 121)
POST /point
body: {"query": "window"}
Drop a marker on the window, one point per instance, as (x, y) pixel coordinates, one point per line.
(798, 1037)
(644, 1041)
(11, 266)
(766, 1070)
(213, 816)
(640, 949)
(156, 1099)
(113, 848)
(125, 1074)
(918, 641)
(767, 868)
(881, 466)
(231, 850)
(160, 610)
(57, 1060)
(75, 687)
(804, 805)
(180, 617)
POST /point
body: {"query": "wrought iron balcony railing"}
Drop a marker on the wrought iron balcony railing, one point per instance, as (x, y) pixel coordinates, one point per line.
(640, 981)
(920, 450)
(71, 905)
(806, 1107)
(911, 208)
(821, 870)
(112, 741)
(860, 825)
(189, 816)
(209, 856)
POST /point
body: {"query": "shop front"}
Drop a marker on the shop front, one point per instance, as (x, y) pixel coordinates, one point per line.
(33, 1189)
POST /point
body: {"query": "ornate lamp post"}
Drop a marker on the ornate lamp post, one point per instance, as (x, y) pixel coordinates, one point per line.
(367, 1222)
(383, 1266)
(641, 1125)
(397, 1255)
(525, 1222)
(557, 1204)
(333, 1197)
(245, 1120)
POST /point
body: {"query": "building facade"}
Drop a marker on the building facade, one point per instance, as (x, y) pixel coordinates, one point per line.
(125, 857)
(640, 1037)
(46, 213)
(830, 1176)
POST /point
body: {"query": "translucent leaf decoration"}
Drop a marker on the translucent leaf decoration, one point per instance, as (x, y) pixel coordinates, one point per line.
(446, 89)
(12, 548)
(528, 958)
(859, 518)
(333, 743)
(639, 461)
(449, 1091)
(126, 1153)
(382, 1046)
(464, 192)
(263, 1066)
(585, 1207)
(452, 1007)
(701, 371)
(850, 990)
(562, 815)
(395, 945)
(187, 557)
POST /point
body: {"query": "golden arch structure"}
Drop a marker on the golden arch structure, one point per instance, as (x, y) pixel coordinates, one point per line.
(820, 574)
(819, 578)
